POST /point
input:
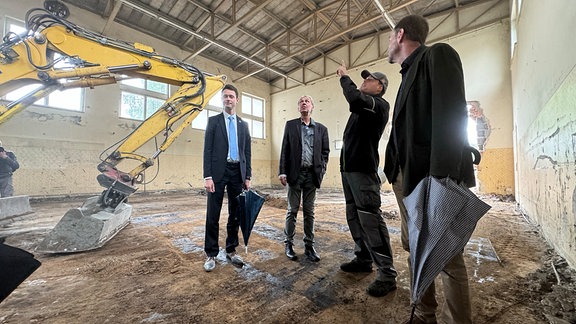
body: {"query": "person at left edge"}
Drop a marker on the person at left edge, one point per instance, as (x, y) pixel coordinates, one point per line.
(8, 164)
(227, 164)
(303, 160)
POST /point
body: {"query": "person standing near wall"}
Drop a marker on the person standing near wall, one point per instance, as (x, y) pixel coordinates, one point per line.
(359, 161)
(8, 164)
(429, 137)
(227, 164)
(303, 161)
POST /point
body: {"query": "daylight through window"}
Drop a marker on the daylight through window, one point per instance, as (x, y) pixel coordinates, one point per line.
(253, 114)
(141, 98)
(71, 99)
(213, 108)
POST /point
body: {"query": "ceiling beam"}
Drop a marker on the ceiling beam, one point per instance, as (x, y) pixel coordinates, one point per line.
(242, 19)
(457, 30)
(110, 20)
(183, 27)
(320, 14)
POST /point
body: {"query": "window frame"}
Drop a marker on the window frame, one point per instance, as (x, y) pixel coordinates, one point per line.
(212, 108)
(250, 117)
(45, 102)
(145, 92)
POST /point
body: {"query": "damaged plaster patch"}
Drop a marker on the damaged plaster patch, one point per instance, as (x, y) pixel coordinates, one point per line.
(128, 126)
(574, 207)
(482, 124)
(541, 140)
(76, 120)
(544, 162)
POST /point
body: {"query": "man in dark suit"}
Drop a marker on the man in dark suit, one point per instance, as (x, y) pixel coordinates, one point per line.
(227, 164)
(359, 160)
(429, 137)
(303, 160)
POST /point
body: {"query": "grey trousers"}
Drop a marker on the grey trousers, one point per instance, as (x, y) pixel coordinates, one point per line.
(303, 190)
(457, 307)
(6, 186)
(367, 226)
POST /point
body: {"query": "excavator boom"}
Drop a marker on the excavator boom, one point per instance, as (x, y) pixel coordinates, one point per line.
(93, 60)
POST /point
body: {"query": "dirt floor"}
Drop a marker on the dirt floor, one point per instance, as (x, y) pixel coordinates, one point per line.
(151, 272)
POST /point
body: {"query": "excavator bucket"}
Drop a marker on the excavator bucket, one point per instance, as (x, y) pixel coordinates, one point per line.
(86, 228)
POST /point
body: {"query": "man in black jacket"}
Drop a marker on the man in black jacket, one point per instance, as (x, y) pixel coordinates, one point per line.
(303, 160)
(359, 161)
(8, 164)
(429, 137)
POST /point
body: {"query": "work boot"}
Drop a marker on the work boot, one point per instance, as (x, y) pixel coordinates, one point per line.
(311, 254)
(356, 266)
(380, 288)
(290, 252)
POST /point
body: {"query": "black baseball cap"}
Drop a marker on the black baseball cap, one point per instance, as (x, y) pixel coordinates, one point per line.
(381, 77)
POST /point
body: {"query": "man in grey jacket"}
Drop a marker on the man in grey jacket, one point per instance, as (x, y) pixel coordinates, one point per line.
(303, 160)
(359, 161)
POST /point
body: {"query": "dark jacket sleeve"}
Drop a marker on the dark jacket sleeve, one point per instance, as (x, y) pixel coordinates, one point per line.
(325, 147)
(359, 103)
(325, 153)
(448, 110)
(208, 147)
(248, 152)
(284, 152)
(12, 161)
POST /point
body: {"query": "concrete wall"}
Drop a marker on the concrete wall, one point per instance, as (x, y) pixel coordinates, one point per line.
(485, 56)
(544, 100)
(59, 150)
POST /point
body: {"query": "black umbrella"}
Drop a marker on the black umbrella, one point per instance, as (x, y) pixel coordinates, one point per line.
(249, 204)
(441, 218)
(15, 266)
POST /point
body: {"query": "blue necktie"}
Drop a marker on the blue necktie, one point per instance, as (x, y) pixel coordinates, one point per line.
(232, 141)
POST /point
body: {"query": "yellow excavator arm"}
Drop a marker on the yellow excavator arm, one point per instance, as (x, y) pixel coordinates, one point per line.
(94, 60)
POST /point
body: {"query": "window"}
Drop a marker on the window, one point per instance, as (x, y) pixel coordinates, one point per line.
(216, 100)
(253, 114)
(141, 98)
(213, 108)
(70, 99)
(514, 19)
